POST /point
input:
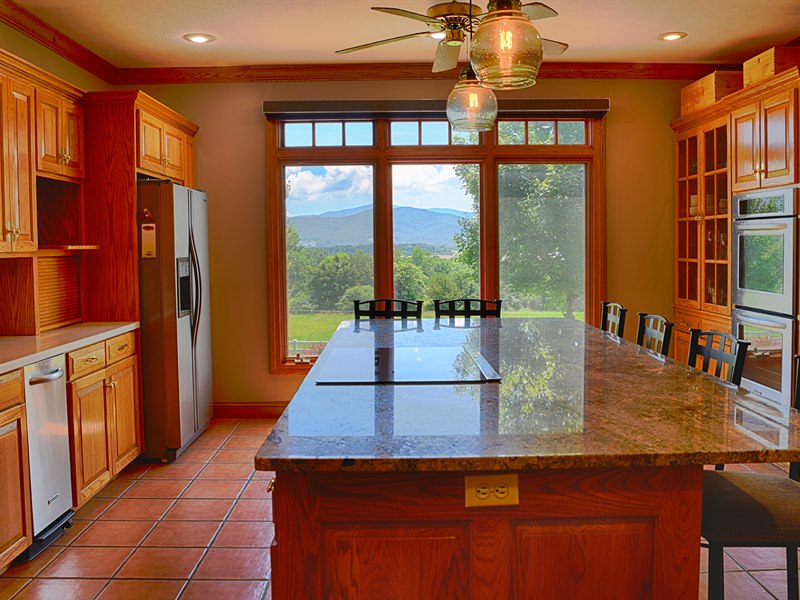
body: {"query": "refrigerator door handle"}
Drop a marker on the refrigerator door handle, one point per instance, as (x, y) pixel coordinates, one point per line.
(197, 292)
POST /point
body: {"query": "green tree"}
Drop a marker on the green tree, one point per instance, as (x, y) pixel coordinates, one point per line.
(409, 279)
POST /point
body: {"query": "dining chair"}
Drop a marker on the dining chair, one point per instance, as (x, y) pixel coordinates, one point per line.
(746, 509)
(726, 352)
(655, 333)
(467, 307)
(613, 318)
(387, 308)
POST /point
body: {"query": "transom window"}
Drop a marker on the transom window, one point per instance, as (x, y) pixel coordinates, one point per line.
(413, 210)
(539, 131)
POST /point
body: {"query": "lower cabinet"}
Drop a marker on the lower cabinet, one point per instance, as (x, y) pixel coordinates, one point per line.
(15, 496)
(105, 408)
(689, 319)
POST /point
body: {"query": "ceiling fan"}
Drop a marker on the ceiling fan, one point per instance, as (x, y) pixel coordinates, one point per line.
(451, 22)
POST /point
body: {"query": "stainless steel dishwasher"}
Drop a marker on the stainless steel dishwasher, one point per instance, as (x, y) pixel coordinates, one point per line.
(48, 444)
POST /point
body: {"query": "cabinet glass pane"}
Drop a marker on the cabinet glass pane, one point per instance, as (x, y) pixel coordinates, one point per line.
(682, 238)
(710, 295)
(722, 285)
(692, 155)
(710, 207)
(709, 154)
(691, 282)
(682, 158)
(710, 239)
(682, 290)
(722, 147)
(722, 193)
(722, 240)
(692, 246)
(683, 200)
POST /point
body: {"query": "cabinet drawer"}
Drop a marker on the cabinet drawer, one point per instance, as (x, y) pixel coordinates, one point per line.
(686, 321)
(86, 360)
(11, 389)
(120, 347)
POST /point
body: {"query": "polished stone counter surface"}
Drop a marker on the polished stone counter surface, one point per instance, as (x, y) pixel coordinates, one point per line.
(18, 351)
(570, 396)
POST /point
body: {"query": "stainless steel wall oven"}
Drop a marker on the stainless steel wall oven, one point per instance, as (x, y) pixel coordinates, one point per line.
(764, 287)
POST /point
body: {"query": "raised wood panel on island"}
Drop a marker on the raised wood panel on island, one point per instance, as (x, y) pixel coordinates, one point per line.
(583, 533)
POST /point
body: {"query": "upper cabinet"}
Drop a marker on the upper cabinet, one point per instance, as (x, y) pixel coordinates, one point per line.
(161, 146)
(59, 135)
(763, 142)
(18, 193)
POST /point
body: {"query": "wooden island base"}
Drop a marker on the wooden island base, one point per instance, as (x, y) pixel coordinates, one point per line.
(619, 533)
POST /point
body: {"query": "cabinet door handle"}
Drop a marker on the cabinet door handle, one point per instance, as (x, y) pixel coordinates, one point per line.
(90, 359)
(123, 347)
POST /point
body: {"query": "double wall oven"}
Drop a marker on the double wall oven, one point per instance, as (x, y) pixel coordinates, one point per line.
(764, 287)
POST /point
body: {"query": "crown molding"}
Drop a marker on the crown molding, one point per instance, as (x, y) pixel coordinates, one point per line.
(20, 19)
(28, 24)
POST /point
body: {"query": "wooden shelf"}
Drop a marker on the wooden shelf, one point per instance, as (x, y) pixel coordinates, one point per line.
(65, 250)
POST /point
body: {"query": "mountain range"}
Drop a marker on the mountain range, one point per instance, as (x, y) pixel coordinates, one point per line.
(353, 227)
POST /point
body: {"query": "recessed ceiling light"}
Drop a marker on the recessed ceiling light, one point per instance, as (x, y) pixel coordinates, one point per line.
(672, 36)
(439, 35)
(199, 38)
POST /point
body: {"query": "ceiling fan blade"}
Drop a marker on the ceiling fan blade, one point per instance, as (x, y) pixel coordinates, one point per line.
(552, 47)
(382, 42)
(408, 14)
(446, 57)
(537, 10)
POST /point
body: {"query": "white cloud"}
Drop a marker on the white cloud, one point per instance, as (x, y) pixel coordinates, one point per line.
(333, 182)
(417, 180)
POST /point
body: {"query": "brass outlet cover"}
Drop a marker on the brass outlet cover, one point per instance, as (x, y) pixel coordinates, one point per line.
(491, 490)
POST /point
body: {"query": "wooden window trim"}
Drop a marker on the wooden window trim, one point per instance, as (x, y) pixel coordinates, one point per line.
(488, 154)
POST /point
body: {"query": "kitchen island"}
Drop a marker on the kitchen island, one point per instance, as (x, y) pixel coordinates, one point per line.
(382, 489)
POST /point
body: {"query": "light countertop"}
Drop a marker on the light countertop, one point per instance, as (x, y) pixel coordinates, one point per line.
(18, 351)
(570, 396)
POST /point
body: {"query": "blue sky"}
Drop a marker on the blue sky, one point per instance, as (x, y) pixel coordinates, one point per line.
(315, 190)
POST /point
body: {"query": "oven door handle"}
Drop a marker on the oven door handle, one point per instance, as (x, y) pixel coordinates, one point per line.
(760, 322)
(759, 227)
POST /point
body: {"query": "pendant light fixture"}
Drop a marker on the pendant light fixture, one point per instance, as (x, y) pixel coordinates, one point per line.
(506, 47)
(470, 106)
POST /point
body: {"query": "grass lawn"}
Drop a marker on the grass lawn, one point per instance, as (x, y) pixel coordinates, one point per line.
(320, 326)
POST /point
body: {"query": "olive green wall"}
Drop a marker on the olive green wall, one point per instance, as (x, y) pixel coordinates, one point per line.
(230, 167)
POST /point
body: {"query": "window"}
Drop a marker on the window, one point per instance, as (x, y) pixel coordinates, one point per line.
(411, 209)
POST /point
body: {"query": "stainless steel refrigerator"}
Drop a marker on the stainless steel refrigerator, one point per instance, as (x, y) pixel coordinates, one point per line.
(175, 321)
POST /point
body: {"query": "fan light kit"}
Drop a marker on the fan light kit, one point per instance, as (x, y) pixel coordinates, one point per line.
(199, 38)
(506, 48)
(470, 106)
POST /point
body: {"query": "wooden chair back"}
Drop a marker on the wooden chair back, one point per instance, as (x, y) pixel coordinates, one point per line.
(721, 353)
(467, 307)
(655, 333)
(613, 318)
(387, 308)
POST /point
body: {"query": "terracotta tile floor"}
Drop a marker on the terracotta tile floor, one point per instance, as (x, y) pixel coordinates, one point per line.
(200, 528)
(197, 528)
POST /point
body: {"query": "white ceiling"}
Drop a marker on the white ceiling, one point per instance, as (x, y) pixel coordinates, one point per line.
(148, 33)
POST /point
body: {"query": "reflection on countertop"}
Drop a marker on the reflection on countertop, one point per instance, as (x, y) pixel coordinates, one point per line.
(571, 396)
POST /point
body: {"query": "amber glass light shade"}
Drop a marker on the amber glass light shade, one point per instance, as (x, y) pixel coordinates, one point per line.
(506, 48)
(470, 106)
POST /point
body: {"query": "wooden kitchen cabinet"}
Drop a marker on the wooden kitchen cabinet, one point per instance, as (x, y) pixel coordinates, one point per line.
(105, 409)
(15, 502)
(691, 319)
(702, 220)
(764, 142)
(59, 135)
(161, 146)
(18, 193)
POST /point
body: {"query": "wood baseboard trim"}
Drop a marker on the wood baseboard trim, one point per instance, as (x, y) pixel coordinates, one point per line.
(267, 410)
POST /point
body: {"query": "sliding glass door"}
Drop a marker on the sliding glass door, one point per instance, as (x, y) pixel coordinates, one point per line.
(542, 228)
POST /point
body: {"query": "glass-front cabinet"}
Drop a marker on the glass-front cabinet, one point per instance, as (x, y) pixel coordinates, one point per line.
(702, 234)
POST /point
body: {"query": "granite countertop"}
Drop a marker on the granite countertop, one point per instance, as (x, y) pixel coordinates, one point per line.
(18, 351)
(570, 396)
